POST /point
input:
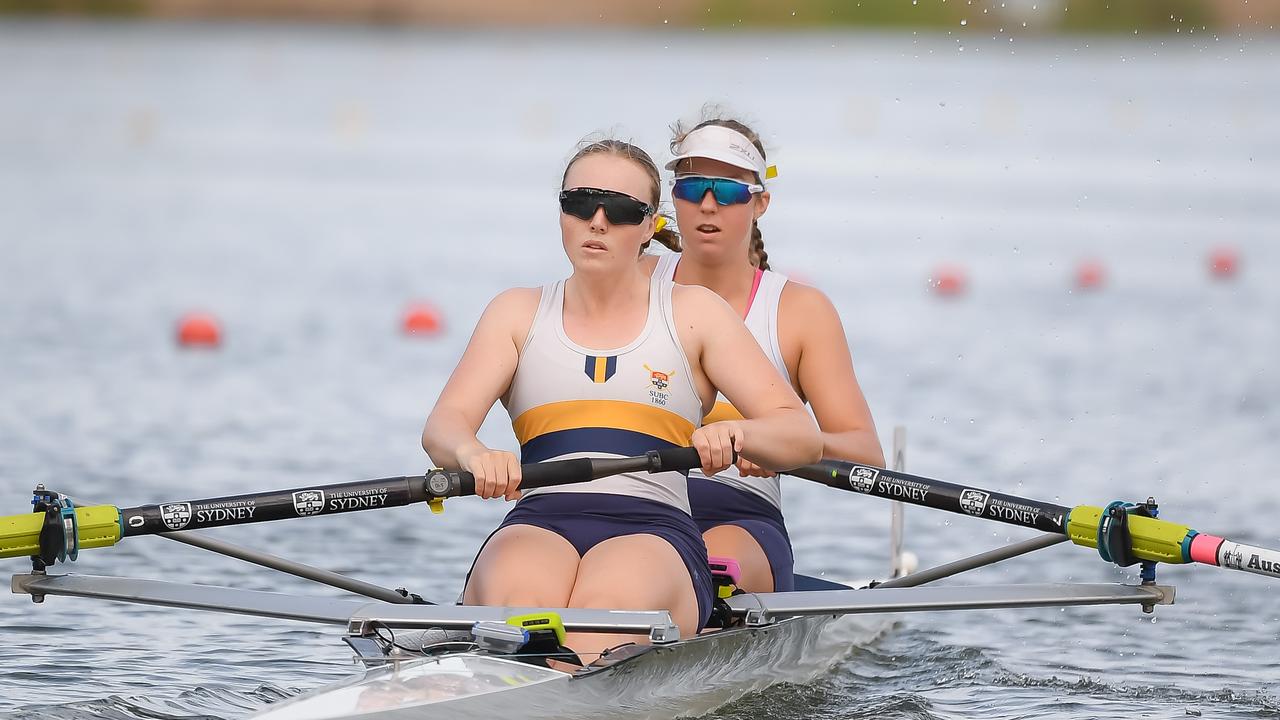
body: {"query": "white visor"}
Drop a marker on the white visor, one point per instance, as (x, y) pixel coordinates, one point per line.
(715, 142)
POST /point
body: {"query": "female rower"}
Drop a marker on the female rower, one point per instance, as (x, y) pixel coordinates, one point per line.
(627, 541)
(719, 195)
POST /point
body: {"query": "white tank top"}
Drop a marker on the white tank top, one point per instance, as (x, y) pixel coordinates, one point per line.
(567, 401)
(762, 321)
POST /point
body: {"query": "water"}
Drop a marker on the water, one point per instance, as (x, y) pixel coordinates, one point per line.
(306, 182)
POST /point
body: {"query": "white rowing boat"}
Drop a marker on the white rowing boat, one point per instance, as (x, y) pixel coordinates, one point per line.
(692, 676)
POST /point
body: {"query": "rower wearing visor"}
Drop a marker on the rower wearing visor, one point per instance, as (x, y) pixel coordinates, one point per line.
(609, 363)
(719, 195)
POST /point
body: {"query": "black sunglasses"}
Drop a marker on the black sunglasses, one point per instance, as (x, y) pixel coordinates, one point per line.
(619, 208)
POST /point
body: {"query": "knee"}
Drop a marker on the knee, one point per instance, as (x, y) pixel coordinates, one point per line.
(731, 541)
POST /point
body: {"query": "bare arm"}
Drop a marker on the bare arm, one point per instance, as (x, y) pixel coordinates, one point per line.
(777, 433)
(824, 373)
(482, 376)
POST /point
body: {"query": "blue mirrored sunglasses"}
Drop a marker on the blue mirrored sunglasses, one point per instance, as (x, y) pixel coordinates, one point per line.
(727, 191)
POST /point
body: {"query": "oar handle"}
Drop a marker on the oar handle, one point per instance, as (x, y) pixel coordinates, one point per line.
(566, 472)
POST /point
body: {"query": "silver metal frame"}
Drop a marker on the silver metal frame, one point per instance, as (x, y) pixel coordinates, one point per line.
(756, 609)
(358, 616)
(764, 608)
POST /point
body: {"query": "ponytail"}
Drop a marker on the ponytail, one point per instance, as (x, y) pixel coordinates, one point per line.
(667, 236)
(756, 252)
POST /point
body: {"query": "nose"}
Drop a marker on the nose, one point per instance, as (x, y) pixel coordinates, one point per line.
(599, 221)
(708, 203)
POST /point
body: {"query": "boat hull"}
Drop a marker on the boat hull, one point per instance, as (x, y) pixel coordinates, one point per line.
(686, 678)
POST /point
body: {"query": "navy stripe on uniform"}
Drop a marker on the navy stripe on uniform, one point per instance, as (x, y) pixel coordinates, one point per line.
(626, 443)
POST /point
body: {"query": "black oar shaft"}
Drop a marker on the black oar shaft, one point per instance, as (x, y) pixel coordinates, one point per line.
(926, 492)
(378, 493)
(274, 505)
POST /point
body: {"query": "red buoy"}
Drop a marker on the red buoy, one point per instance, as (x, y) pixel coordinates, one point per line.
(200, 330)
(1090, 275)
(1224, 262)
(949, 281)
(421, 319)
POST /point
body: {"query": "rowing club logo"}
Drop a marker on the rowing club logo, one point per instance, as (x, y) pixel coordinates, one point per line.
(658, 383)
(308, 502)
(863, 479)
(175, 515)
(973, 501)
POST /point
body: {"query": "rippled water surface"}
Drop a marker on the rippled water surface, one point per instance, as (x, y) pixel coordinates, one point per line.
(305, 183)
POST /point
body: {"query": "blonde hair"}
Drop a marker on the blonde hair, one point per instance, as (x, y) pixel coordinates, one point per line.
(667, 235)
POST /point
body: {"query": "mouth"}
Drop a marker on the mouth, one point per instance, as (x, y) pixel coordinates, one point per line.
(708, 229)
(594, 245)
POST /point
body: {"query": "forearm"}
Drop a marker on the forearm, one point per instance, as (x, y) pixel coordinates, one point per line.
(860, 446)
(446, 436)
(782, 440)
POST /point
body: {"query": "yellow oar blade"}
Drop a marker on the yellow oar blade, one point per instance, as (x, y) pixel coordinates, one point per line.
(99, 526)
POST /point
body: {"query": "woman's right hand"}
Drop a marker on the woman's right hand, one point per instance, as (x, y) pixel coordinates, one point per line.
(749, 469)
(497, 472)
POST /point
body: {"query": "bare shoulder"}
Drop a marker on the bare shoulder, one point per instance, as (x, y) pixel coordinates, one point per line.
(511, 312)
(515, 300)
(807, 305)
(699, 301)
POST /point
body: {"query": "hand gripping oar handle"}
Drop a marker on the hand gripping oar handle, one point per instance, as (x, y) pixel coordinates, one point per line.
(1146, 538)
(567, 472)
(45, 535)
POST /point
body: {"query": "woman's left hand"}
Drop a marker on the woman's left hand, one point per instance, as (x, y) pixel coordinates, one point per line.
(718, 445)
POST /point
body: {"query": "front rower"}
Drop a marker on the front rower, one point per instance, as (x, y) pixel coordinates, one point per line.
(627, 541)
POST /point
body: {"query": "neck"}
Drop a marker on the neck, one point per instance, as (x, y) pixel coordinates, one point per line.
(606, 294)
(732, 280)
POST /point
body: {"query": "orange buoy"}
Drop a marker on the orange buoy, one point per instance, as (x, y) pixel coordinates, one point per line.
(198, 329)
(949, 281)
(1090, 274)
(1224, 262)
(421, 319)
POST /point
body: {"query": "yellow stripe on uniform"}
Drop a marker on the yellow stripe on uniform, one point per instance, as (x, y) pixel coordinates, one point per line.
(722, 411)
(601, 364)
(616, 414)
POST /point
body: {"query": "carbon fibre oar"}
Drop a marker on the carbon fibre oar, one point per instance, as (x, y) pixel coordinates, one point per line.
(58, 530)
(1121, 533)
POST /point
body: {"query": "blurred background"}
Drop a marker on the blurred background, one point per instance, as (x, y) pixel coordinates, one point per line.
(1048, 16)
(242, 245)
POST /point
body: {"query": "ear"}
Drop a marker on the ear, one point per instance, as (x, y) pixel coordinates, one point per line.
(762, 204)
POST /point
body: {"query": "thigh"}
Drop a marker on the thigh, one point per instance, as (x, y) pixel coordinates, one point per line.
(638, 572)
(523, 565)
(735, 542)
